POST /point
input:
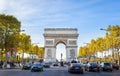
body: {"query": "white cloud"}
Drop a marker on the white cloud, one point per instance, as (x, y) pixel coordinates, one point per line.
(38, 14)
(17, 8)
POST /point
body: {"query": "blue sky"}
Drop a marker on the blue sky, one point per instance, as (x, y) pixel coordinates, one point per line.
(88, 16)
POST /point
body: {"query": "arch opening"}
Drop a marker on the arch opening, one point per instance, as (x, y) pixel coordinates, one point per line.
(61, 52)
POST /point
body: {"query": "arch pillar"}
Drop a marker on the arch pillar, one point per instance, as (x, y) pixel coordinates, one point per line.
(71, 53)
(50, 54)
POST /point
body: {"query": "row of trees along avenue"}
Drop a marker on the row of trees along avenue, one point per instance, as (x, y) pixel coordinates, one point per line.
(13, 43)
(108, 47)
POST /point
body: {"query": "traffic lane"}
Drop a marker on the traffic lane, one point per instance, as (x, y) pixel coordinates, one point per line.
(13, 72)
(57, 72)
(54, 72)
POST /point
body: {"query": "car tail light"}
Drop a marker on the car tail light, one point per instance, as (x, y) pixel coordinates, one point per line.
(111, 65)
(81, 67)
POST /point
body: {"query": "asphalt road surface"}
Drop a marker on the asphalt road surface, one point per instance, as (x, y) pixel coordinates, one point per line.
(54, 71)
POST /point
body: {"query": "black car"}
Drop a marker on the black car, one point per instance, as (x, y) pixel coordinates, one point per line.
(115, 66)
(55, 63)
(92, 66)
(1, 64)
(26, 66)
(37, 67)
(75, 68)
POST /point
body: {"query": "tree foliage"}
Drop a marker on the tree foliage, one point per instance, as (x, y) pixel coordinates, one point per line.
(111, 40)
(9, 28)
(10, 37)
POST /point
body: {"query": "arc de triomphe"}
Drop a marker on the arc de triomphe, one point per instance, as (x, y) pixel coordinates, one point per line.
(54, 36)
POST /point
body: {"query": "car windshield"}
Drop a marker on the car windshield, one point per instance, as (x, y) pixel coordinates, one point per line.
(75, 64)
(93, 64)
(37, 65)
(55, 63)
(26, 63)
(47, 63)
(108, 64)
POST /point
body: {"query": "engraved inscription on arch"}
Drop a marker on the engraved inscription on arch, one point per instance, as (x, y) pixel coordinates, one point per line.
(72, 42)
(49, 53)
(49, 42)
(72, 53)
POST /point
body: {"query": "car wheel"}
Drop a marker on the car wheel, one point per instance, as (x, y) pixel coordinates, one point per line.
(103, 69)
(117, 68)
(111, 70)
(88, 70)
(98, 70)
(82, 72)
(69, 71)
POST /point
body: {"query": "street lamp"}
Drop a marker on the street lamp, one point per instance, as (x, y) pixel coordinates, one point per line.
(104, 29)
(61, 56)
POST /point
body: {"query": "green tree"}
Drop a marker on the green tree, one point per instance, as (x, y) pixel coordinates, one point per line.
(9, 29)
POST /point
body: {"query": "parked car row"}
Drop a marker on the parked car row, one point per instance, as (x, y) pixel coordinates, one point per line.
(91, 66)
(104, 66)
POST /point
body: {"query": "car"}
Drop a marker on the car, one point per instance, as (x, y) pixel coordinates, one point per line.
(75, 68)
(46, 64)
(26, 66)
(115, 66)
(37, 67)
(73, 61)
(1, 64)
(55, 64)
(92, 66)
(106, 66)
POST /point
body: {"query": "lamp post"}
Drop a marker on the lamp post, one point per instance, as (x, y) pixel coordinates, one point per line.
(19, 57)
(0, 54)
(61, 56)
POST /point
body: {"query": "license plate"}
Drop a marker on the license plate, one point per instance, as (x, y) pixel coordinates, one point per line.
(76, 67)
(95, 68)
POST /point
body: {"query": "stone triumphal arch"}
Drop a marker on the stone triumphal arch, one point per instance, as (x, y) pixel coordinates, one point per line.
(54, 36)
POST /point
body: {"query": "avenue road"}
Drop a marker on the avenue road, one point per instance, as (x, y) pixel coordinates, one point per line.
(54, 71)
